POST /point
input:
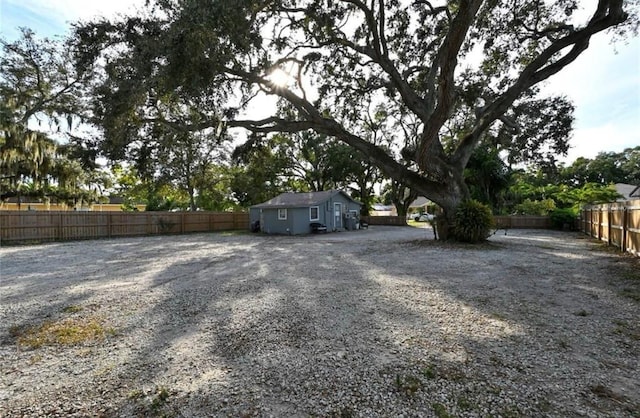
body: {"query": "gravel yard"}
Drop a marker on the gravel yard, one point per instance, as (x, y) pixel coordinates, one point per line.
(371, 323)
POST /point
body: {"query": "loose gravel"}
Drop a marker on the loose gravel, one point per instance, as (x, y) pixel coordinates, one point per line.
(381, 322)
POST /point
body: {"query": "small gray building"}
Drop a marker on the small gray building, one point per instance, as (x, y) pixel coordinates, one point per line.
(293, 213)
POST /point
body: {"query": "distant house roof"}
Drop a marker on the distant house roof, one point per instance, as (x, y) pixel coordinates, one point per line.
(420, 202)
(299, 200)
(628, 191)
(382, 208)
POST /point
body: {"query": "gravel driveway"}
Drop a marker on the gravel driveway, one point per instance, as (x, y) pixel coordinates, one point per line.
(371, 323)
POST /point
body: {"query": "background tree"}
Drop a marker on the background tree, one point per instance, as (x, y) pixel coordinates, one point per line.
(409, 55)
(488, 177)
(257, 173)
(605, 168)
(40, 106)
(399, 195)
(185, 159)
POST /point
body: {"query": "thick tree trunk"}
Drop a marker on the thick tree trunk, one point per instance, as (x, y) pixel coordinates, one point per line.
(447, 197)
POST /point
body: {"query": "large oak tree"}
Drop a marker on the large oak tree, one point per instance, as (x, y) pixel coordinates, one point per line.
(455, 69)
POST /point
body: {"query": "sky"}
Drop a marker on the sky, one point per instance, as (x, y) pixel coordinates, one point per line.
(603, 83)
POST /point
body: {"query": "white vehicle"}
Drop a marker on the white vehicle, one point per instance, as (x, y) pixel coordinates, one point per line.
(424, 217)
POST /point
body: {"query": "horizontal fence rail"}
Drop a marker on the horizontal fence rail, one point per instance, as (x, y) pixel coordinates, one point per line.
(25, 226)
(617, 224)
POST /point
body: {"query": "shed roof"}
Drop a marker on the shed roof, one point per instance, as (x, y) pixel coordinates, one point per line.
(299, 200)
(628, 191)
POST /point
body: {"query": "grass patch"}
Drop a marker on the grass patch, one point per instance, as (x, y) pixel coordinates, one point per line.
(65, 332)
(429, 372)
(71, 309)
(408, 384)
(464, 404)
(135, 394)
(160, 398)
(440, 411)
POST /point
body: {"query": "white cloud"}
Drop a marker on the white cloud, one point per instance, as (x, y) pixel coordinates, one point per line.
(607, 137)
(604, 85)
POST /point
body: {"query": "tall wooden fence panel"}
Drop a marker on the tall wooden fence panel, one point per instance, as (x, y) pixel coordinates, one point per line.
(618, 224)
(522, 222)
(25, 226)
(384, 220)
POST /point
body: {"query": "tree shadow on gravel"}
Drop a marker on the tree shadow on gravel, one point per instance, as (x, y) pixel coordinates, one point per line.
(297, 327)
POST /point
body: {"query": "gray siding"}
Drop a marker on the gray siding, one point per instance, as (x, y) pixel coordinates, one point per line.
(272, 225)
(299, 218)
(346, 205)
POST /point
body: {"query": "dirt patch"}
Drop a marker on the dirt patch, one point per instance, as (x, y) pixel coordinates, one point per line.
(378, 322)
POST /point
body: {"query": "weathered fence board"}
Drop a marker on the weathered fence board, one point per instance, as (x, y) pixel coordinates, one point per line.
(618, 224)
(24, 226)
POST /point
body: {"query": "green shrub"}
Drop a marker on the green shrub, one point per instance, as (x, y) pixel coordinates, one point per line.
(563, 218)
(536, 207)
(473, 222)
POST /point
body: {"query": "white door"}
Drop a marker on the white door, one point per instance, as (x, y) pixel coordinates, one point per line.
(337, 215)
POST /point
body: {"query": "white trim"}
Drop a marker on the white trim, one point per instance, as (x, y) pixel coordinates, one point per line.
(317, 218)
(282, 214)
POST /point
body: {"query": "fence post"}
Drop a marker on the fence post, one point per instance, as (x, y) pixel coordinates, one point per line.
(599, 224)
(109, 222)
(609, 215)
(625, 217)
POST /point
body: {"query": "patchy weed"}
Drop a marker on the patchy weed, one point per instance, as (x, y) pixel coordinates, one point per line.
(135, 394)
(441, 411)
(72, 309)
(464, 404)
(160, 398)
(35, 359)
(408, 384)
(429, 372)
(66, 332)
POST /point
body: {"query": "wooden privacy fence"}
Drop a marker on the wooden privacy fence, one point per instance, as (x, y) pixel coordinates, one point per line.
(617, 224)
(21, 226)
(515, 222)
(522, 222)
(384, 220)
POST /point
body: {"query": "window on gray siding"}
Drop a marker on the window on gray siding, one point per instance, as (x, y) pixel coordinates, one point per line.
(282, 214)
(314, 213)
